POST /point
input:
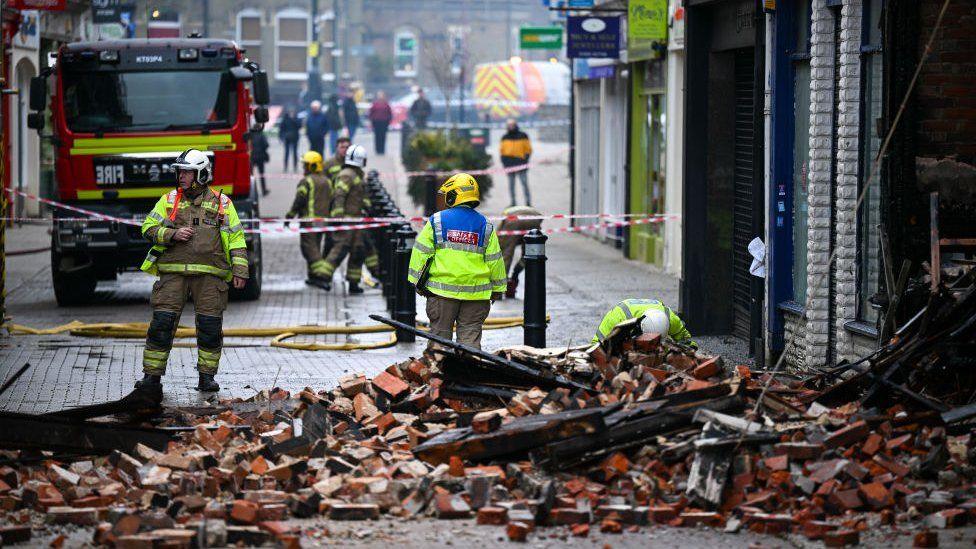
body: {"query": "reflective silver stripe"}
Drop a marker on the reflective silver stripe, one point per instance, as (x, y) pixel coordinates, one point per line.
(600, 336)
(456, 288)
(414, 273)
(423, 249)
(501, 282)
(435, 223)
(233, 229)
(626, 309)
(494, 256)
(155, 216)
(473, 248)
(489, 228)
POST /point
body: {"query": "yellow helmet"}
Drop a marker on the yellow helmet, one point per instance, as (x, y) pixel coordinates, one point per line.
(459, 189)
(312, 161)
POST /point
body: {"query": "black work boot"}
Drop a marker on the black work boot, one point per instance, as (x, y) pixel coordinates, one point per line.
(354, 288)
(207, 383)
(319, 282)
(149, 382)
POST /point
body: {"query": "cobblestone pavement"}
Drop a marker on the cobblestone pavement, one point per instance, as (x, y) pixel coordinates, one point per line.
(585, 278)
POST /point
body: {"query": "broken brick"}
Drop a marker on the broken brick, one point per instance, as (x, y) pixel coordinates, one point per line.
(848, 435)
(517, 531)
(707, 369)
(354, 511)
(841, 538)
(580, 530)
(390, 385)
(244, 511)
(486, 422)
(565, 516)
(492, 515)
(610, 526)
(926, 538)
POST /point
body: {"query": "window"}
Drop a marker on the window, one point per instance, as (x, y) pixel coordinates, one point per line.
(869, 216)
(292, 35)
(801, 146)
(405, 54)
(249, 33)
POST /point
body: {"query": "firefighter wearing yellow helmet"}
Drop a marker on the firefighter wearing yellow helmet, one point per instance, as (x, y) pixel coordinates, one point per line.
(312, 199)
(457, 263)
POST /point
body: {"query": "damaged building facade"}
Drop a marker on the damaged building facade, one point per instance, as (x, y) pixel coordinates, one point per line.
(839, 74)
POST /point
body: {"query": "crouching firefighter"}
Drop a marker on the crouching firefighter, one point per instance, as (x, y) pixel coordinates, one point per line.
(198, 247)
(658, 319)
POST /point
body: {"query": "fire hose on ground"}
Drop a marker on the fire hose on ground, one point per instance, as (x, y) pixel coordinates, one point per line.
(279, 335)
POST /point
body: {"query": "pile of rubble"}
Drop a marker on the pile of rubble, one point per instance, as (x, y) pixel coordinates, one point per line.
(634, 432)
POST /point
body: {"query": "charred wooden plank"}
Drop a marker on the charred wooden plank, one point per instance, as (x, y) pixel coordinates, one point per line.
(574, 451)
(500, 363)
(138, 402)
(515, 437)
(21, 431)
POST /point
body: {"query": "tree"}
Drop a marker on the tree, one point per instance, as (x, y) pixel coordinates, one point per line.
(451, 68)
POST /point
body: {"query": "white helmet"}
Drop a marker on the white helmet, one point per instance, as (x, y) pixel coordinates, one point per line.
(656, 322)
(356, 156)
(192, 159)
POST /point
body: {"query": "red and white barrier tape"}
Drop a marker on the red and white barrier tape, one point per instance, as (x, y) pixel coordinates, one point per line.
(441, 173)
(352, 223)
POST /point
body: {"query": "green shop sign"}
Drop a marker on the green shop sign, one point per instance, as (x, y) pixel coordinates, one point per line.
(647, 24)
(541, 38)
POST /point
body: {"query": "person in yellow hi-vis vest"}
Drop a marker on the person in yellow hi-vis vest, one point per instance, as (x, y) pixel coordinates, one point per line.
(313, 198)
(198, 247)
(658, 319)
(457, 263)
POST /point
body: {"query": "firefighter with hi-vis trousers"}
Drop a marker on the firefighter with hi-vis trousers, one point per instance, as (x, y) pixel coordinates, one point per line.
(313, 198)
(198, 247)
(456, 263)
(348, 199)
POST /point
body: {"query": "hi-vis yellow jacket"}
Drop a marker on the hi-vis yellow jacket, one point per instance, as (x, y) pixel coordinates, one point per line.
(467, 260)
(208, 214)
(632, 308)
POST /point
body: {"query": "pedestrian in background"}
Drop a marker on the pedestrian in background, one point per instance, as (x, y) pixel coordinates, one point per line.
(515, 150)
(289, 127)
(333, 118)
(420, 110)
(260, 157)
(350, 116)
(380, 114)
(316, 126)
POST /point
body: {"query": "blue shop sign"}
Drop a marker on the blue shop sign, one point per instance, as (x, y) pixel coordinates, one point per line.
(593, 37)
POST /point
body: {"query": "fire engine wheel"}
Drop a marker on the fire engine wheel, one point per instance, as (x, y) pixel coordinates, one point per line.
(74, 287)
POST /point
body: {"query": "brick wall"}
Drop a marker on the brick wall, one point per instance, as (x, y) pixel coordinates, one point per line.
(946, 98)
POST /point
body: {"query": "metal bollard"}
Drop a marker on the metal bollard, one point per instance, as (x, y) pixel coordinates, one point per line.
(430, 197)
(534, 310)
(406, 301)
(391, 266)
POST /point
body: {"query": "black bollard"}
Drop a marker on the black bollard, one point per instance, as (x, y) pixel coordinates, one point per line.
(406, 301)
(430, 198)
(534, 326)
(391, 266)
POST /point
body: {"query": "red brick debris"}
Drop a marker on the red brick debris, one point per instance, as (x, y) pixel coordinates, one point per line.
(633, 434)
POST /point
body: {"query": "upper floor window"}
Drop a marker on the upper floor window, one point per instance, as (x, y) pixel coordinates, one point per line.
(292, 34)
(249, 33)
(405, 54)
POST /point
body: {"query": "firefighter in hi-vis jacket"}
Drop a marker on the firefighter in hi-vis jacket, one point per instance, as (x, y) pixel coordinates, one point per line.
(198, 248)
